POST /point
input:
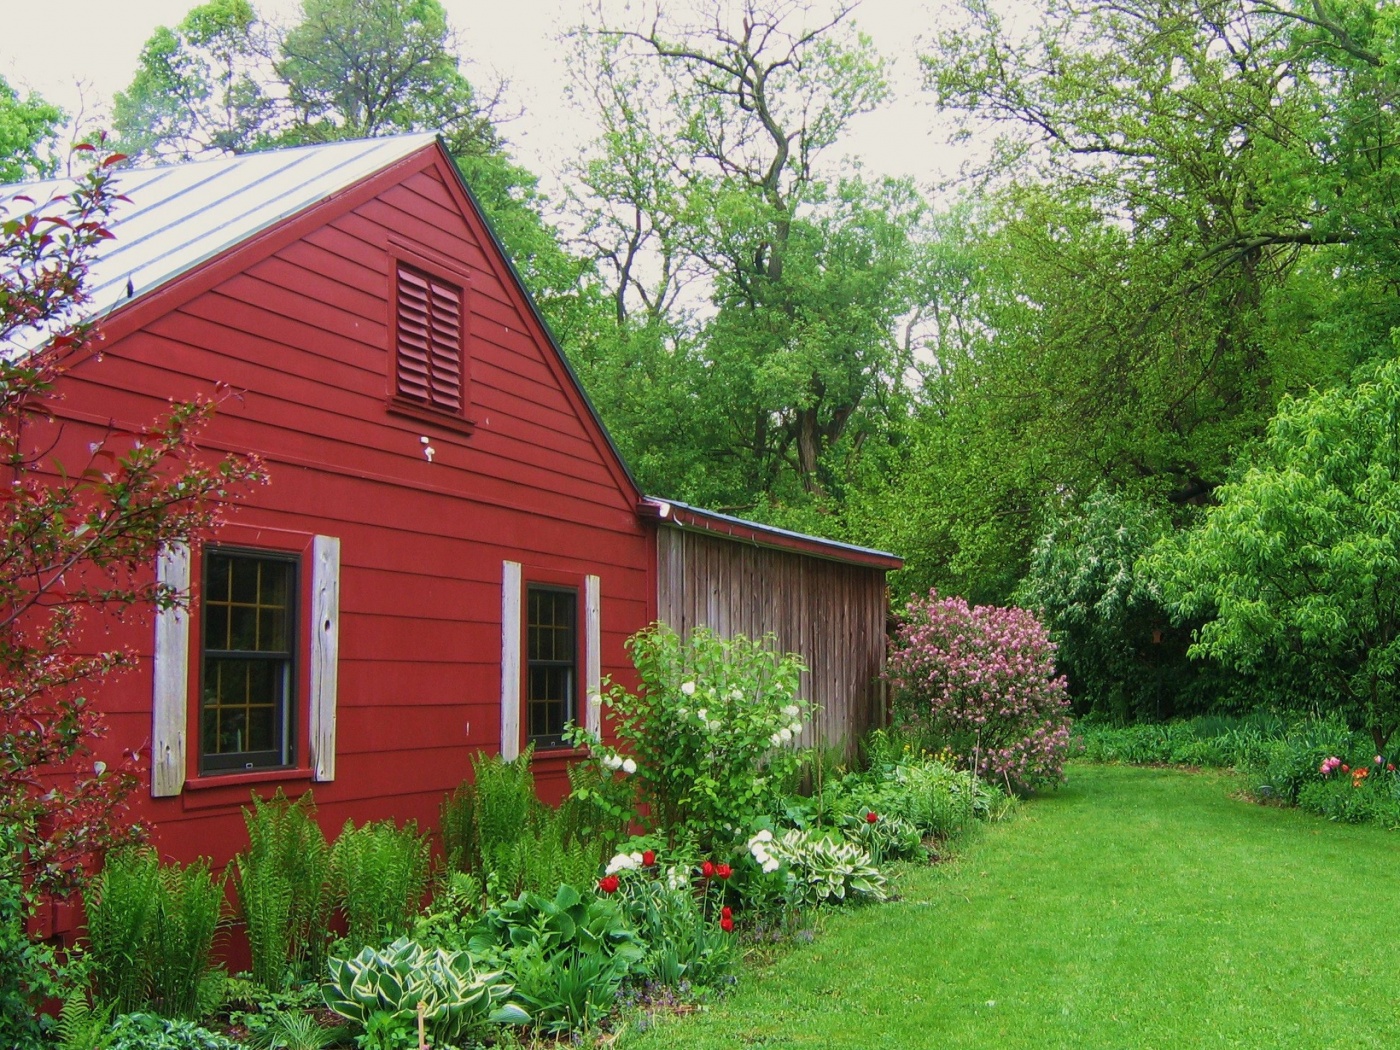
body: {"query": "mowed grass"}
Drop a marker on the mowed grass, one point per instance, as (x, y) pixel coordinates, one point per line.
(1135, 908)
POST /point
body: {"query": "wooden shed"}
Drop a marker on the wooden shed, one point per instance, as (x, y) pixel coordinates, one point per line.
(825, 601)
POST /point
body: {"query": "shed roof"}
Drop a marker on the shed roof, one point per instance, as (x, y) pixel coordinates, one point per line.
(683, 516)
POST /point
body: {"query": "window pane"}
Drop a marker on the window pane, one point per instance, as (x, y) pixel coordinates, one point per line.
(248, 633)
(552, 655)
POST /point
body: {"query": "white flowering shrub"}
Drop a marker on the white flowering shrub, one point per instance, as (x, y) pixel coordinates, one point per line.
(707, 738)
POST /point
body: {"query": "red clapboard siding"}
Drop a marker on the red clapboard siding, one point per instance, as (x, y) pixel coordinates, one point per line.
(301, 334)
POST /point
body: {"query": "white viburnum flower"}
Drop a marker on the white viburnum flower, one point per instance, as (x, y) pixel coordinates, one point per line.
(763, 836)
(595, 700)
(785, 734)
(715, 726)
(796, 728)
(688, 688)
(777, 739)
(703, 714)
(636, 859)
(770, 866)
(629, 766)
(612, 761)
(792, 710)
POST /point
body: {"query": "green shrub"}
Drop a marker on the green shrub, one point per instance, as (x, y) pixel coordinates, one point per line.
(567, 956)
(379, 874)
(151, 934)
(1284, 766)
(682, 943)
(705, 740)
(1349, 799)
(283, 887)
(27, 968)
(496, 827)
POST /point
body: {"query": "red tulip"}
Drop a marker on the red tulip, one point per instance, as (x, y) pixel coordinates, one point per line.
(707, 869)
(608, 883)
(871, 818)
(726, 912)
(727, 925)
(648, 858)
(723, 870)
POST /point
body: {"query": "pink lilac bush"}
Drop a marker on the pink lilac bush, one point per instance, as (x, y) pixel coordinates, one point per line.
(983, 679)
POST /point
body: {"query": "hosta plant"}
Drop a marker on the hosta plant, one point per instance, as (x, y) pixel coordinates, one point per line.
(817, 869)
(389, 984)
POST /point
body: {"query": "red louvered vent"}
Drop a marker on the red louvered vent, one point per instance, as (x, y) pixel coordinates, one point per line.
(430, 340)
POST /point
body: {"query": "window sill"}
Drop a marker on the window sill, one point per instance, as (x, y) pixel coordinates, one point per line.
(419, 413)
(561, 753)
(222, 789)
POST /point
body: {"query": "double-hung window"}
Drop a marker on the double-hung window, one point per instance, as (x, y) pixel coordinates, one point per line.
(551, 688)
(248, 660)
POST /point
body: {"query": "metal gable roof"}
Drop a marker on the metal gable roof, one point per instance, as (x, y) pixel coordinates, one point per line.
(181, 215)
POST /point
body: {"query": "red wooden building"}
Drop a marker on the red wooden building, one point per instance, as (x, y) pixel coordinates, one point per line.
(450, 553)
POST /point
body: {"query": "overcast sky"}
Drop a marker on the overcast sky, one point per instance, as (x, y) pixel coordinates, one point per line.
(52, 46)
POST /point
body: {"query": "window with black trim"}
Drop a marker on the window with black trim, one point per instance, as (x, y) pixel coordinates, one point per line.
(428, 343)
(247, 660)
(551, 679)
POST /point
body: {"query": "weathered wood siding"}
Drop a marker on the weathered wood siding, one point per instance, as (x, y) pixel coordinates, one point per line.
(830, 613)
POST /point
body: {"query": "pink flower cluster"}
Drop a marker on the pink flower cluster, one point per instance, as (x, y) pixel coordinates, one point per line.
(985, 678)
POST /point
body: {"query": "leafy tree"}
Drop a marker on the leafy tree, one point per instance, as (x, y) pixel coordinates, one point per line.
(759, 299)
(200, 87)
(1183, 223)
(27, 126)
(76, 539)
(1113, 636)
(1298, 566)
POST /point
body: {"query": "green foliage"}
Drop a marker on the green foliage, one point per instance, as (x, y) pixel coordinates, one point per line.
(82, 1026)
(384, 988)
(282, 881)
(708, 732)
(140, 1031)
(296, 1032)
(496, 827)
(1297, 568)
(1283, 767)
(707, 185)
(28, 128)
(1110, 629)
(151, 934)
(1212, 741)
(378, 874)
(28, 969)
(683, 945)
(567, 955)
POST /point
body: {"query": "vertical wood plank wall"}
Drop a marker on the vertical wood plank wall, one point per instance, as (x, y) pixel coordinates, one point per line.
(830, 613)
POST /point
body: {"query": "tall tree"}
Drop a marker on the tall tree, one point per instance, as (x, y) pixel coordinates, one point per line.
(1188, 215)
(28, 129)
(225, 81)
(742, 269)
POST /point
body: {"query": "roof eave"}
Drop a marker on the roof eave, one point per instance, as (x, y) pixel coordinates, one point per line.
(676, 515)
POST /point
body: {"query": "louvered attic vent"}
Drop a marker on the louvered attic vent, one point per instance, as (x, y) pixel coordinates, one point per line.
(429, 365)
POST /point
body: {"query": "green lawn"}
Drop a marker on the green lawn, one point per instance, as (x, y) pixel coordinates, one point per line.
(1135, 908)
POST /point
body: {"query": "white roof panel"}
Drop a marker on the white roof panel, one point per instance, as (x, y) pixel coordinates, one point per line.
(181, 215)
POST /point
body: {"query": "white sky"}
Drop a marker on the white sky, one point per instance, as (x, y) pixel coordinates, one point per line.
(53, 46)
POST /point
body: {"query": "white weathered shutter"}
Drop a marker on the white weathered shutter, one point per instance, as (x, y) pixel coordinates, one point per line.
(510, 660)
(325, 652)
(170, 666)
(593, 653)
